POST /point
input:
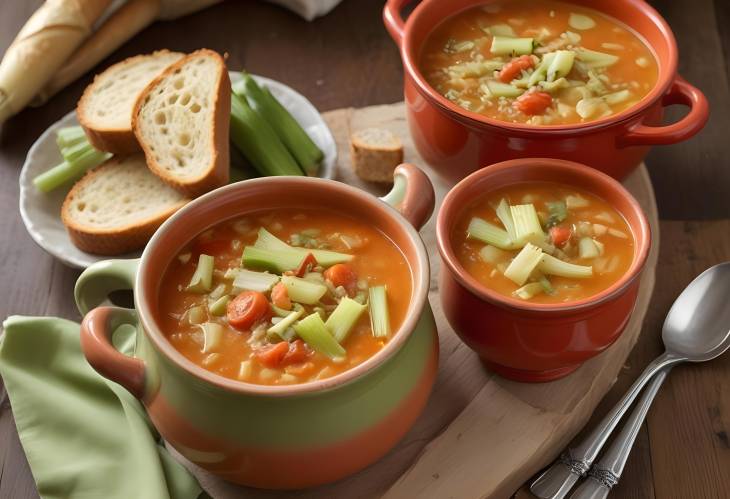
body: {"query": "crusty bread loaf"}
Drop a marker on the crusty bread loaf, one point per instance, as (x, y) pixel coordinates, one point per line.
(375, 153)
(105, 108)
(181, 121)
(116, 207)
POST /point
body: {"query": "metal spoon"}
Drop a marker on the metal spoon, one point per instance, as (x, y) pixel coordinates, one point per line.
(696, 329)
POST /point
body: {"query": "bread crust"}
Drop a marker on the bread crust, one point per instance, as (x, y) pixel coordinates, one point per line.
(113, 241)
(374, 163)
(217, 173)
(113, 140)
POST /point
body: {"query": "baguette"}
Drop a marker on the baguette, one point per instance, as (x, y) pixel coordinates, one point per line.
(181, 121)
(105, 108)
(375, 153)
(116, 207)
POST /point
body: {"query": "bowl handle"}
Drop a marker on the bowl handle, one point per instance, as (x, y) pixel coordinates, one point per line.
(96, 343)
(393, 21)
(681, 92)
(412, 194)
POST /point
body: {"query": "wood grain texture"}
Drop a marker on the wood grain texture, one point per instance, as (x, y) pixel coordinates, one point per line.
(347, 59)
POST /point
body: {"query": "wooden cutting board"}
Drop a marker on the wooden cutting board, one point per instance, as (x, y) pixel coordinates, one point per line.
(480, 435)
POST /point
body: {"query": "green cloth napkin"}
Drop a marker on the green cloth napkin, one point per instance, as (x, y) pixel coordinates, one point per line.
(85, 437)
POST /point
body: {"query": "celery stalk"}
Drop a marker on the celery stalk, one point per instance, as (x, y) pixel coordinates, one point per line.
(379, 315)
(527, 223)
(202, 280)
(66, 171)
(70, 135)
(529, 290)
(212, 335)
(275, 261)
(255, 138)
(249, 280)
(218, 307)
(300, 145)
(505, 45)
(561, 64)
(326, 258)
(540, 72)
(344, 317)
(490, 234)
(313, 331)
(524, 263)
(499, 89)
(303, 291)
(554, 266)
(595, 59)
(280, 327)
(505, 216)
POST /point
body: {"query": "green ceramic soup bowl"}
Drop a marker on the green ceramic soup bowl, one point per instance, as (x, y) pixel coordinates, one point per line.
(278, 437)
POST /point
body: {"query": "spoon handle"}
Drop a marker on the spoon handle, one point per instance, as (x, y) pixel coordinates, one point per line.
(606, 473)
(558, 479)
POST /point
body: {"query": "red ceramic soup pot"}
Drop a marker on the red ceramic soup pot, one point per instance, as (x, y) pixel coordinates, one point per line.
(532, 341)
(279, 437)
(456, 142)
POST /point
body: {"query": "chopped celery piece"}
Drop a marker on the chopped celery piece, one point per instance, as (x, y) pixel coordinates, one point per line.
(527, 223)
(266, 240)
(540, 72)
(217, 292)
(492, 254)
(212, 335)
(274, 260)
(558, 212)
(500, 30)
(524, 263)
(196, 315)
(280, 327)
(617, 97)
(580, 21)
(490, 234)
(561, 64)
(617, 233)
(313, 331)
(499, 89)
(303, 291)
(202, 280)
(529, 290)
(547, 286)
(69, 136)
(245, 370)
(344, 317)
(587, 248)
(553, 266)
(379, 315)
(474, 69)
(554, 86)
(573, 202)
(505, 45)
(600, 245)
(505, 216)
(218, 307)
(249, 280)
(595, 59)
(280, 312)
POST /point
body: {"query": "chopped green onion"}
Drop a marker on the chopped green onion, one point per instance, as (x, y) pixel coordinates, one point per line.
(505, 45)
(303, 291)
(505, 216)
(285, 323)
(249, 280)
(379, 315)
(212, 335)
(529, 290)
(266, 240)
(490, 234)
(527, 223)
(313, 331)
(587, 248)
(554, 266)
(343, 318)
(561, 64)
(524, 263)
(202, 280)
(218, 307)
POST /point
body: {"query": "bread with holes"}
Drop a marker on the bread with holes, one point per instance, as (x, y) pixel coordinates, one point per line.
(105, 108)
(374, 153)
(116, 207)
(181, 121)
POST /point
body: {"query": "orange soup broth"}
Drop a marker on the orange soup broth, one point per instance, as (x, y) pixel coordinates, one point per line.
(567, 290)
(526, 18)
(377, 261)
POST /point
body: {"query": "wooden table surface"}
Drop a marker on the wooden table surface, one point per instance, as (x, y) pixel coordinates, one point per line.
(347, 59)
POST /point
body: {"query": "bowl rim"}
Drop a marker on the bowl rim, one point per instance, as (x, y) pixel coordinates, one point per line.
(666, 75)
(419, 269)
(452, 264)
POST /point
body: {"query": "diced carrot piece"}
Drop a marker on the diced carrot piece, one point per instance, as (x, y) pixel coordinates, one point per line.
(280, 296)
(533, 102)
(297, 353)
(512, 69)
(307, 264)
(559, 235)
(272, 355)
(247, 308)
(342, 274)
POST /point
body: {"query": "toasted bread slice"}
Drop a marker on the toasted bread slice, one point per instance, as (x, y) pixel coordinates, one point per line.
(375, 153)
(181, 121)
(105, 108)
(116, 207)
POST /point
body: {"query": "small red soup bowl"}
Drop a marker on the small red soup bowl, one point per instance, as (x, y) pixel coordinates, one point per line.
(457, 142)
(276, 437)
(533, 341)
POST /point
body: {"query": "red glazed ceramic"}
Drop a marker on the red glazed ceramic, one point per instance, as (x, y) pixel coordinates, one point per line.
(456, 142)
(279, 437)
(531, 341)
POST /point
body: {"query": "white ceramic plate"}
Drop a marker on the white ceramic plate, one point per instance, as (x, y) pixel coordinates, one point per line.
(41, 213)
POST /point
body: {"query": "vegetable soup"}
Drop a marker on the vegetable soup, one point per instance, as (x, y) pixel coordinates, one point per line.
(538, 62)
(284, 296)
(543, 242)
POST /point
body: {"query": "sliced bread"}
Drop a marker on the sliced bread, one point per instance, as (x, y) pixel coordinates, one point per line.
(116, 207)
(105, 108)
(181, 121)
(375, 152)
